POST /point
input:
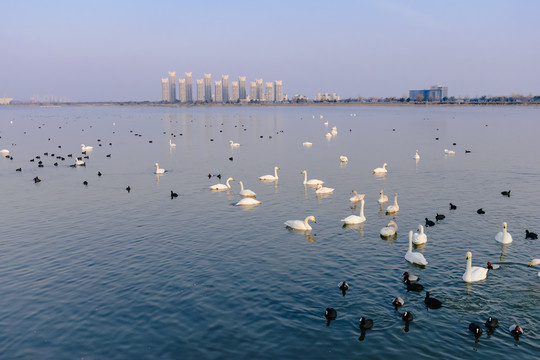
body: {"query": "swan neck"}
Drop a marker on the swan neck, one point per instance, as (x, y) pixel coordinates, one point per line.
(305, 177)
(275, 172)
(469, 266)
(241, 186)
(227, 183)
(410, 242)
(362, 208)
(395, 200)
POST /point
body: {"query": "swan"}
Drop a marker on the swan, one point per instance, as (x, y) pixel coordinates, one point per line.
(449, 152)
(158, 170)
(355, 219)
(420, 237)
(416, 156)
(79, 162)
(357, 197)
(307, 143)
(312, 182)
(390, 229)
(248, 202)
(86, 148)
(328, 135)
(414, 257)
(381, 170)
(383, 198)
(4, 152)
(534, 262)
(222, 186)
(171, 144)
(473, 273)
(343, 158)
(504, 236)
(233, 143)
(392, 209)
(299, 224)
(270, 177)
(323, 190)
(246, 192)
(326, 123)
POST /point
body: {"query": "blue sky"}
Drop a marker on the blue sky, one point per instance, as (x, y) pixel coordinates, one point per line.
(119, 50)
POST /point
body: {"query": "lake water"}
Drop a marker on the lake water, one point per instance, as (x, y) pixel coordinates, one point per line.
(95, 272)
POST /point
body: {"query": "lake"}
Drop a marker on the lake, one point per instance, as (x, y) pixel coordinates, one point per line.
(94, 271)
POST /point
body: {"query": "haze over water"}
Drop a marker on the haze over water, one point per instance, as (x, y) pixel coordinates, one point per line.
(96, 272)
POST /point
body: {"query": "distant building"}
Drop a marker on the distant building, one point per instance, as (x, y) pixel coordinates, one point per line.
(278, 91)
(200, 90)
(242, 87)
(182, 90)
(435, 93)
(172, 86)
(189, 88)
(235, 93)
(5, 101)
(208, 87)
(225, 87)
(253, 90)
(269, 92)
(165, 89)
(259, 89)
(219, 91)
(327, 97)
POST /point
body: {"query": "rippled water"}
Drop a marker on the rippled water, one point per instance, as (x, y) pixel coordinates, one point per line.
(96, 272)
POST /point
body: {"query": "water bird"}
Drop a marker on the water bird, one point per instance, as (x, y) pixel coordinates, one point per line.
(158, 170)
(312, 182)
(246, 192)
(383, 198)
(492, 323)
(414, 257)
(343, 286)
(108, 155)
(392, 209)
(467, 151)
(173, 194)
(69, 155)
(429, 223)
(381, 170)
(209, 175)
(85, 183)
(407, 316)
(248, 201)
(416, 156)
(515, 330)
(365, 324)
(31, 160)
(490, 266)
(171, 144)
(343, 159)
(413, 286)
(270, 177)
(128, 189)
(19, 169)
(357, 197)
(79, 162)
(390, 229)
(473, 273)
(306, 143)
(419, 237)
(232, 143)
(530, 235)
(99, 173)
(328, 135)
(222, 186)
(356, 219)
(411, 277)
(504, 236)
(4, 152)
(231, 158)
(480, 211)
(475, 329)
(299, 224)
(534, 262)
(397, 302)
(323, 190)
(330, 314)
(453, 207)
(86, 148)
(449, 152)
(55, 164)
(506, 193)
(218, 176)
(439, 217)
(432, 303)
(36, 180)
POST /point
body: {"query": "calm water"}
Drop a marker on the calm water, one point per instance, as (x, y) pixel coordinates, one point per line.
(96, 272)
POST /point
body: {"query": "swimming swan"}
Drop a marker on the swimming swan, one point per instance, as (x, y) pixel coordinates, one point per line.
(383, 198)
(343, 158)
(416, 156)
(381, 170)
(246, 192)
(248, 202)
(355, 219)
(86, 148)
(171, 144)
(311, 182)
(307, 143)
(4, 152)
(270, 177)
(449, 152)
(233, 143)
(419, 237)
(414, 257)
(473, 273)
(357, 197)
(390, 229)
(158, 170)
(504, 236)
(222, 186)
(323, 190)
(299, 224)
(392, 209)
(534, 262)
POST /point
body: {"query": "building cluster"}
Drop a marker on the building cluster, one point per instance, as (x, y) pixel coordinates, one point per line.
(435, 93)
(258, 91)
(326, 97)
(5, 101)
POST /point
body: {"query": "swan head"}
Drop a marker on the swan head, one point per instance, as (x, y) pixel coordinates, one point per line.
(312, 218)
(230, 179)
(82, 145)
(303, 172)
(385, 165)
(241, 183)
(319, 186)
(381, 192)
(504, 225)
(156, 165)
(410, 235)
(276, 167)
(469, 255)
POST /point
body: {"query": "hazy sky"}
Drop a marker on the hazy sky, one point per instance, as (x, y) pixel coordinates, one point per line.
(119, 50)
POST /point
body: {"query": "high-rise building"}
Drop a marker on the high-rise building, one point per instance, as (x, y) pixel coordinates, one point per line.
(260, 91)
(278, 91)
(253, 90)
(165, 89)
(208, 87)
(242, 87)
(235, 95)
(189, 88)
(225, 87)
(200, 90)
(182, 90)
(172, 86)
(218, 91)
(435, 93)
(269, 92)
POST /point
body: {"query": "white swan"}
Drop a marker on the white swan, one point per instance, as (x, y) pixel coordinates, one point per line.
(390, 229)
(328, 135)
(355, 219)
(79, 162)
(381, 170)
(248, 202)
(343, 158)
(86, 148)
(383, 198)
(323, 190)
(473, 273)
(270, 177)
(158, 170)
(4, 152)
(222, 186)
(245, 192)
(419, 237)
(357, 197)
(392, 209)
(504, 236)
(416, 156)
(311, 182)
(534, 262)
(299, 224)
(449, 152)
(233, 143)
(307, 143)
(171, 144)
(414, 257)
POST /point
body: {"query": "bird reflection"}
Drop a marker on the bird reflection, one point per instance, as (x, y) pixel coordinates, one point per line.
(362, 335)
(391, 238)
(503, 252)
(406, 328)
(360, 227)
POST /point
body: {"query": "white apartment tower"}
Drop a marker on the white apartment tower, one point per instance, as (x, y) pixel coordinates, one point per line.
(172, 86)
(200, 90)
(242, 87)
(278, 91)
(235, 95)
(189, 88)
(218, 91)
(253, 90)
(182, 90)
(269, 91)
(208, 87)
(225, 87)
(165, 89)
(259, 90)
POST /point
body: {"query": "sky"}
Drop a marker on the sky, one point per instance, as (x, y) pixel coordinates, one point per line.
(119, 50)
